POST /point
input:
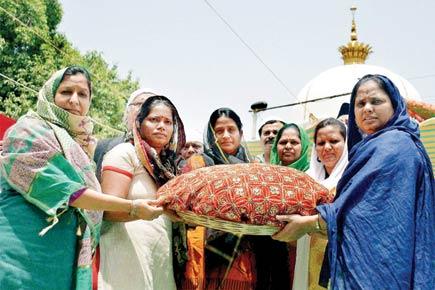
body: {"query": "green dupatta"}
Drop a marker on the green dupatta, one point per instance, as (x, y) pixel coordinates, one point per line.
(302, 164)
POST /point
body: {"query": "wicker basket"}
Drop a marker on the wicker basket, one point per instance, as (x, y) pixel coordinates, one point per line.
(235, 228)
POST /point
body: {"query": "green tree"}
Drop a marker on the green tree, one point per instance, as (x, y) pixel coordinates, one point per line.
(31, 49)
(109, 92)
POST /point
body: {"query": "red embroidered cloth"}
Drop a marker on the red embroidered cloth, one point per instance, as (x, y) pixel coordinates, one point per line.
(251, 193)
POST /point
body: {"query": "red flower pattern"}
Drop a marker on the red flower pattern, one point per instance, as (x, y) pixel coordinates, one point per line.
(249, 193)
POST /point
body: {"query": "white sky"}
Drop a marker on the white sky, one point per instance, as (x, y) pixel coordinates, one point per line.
(184, 51)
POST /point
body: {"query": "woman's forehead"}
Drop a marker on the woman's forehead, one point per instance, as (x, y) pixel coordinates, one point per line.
(225, 121)
(161, 109)
(370, 88)
(329, 129)
(290, 131)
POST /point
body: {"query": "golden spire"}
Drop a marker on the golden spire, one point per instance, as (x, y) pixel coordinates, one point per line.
(354, 52)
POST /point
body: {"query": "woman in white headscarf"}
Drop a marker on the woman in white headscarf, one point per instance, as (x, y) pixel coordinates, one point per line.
(328, 161)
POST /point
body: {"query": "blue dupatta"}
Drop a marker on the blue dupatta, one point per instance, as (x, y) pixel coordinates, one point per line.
(381, 226)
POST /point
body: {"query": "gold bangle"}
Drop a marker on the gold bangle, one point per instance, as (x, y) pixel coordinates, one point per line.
(133, 209)
(318, 227)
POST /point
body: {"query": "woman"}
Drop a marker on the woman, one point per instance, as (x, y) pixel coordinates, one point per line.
(215, 261)
(132, 107)
(137, 254)
(328, 161)
(223, 140)
(381, 226)
(329, 155)
(290, 149)
(50, 200)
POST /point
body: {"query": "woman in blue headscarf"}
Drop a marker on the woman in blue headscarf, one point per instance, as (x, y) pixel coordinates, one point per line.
(381, 226)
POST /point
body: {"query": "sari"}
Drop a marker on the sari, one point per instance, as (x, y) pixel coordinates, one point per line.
(46, 159)
(311, 249)
(218, 260)
(302, 164)
(143, 254)
(162, 168)
(381, 226)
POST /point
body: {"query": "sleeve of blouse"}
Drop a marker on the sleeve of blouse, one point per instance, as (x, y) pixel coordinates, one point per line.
(120, 159)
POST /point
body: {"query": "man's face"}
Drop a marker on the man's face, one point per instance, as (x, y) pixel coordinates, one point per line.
(190, 148)
(268, 133)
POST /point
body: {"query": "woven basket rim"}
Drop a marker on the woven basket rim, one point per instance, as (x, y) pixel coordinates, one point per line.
(232, 227)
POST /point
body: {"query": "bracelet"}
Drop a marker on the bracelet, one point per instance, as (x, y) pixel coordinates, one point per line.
(318, 227)
(134, 208)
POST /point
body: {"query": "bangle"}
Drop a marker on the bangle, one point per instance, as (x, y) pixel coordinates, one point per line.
(318, 227)
(133, 208)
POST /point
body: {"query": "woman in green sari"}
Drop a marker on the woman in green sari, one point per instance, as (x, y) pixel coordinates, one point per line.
(50, 200)
(290, 148)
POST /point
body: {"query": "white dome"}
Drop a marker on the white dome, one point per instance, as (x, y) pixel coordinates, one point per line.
(340, 80)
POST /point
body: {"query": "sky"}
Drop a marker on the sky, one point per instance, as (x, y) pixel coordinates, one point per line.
(184, 51)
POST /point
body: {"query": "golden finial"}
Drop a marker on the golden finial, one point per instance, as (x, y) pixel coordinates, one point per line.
(354, 52)
(353, 35)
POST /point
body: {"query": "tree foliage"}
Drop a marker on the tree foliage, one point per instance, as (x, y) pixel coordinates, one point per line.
(31, 49)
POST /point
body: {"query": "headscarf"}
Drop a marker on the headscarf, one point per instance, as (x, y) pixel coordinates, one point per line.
(318, 172)
(213, 150)
(160, 167)
(78, 127)
(386, 199)
(302, 163)
(137, 93)
(132, 97)
(400, 119)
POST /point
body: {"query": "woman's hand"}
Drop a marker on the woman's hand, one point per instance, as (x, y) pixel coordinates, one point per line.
(145, 209)
(296, 227)
(173, 216)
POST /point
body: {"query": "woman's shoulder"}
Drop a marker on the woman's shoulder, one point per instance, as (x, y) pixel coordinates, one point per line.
(123, 147)
(394, 140)
(121, 156)
(30, 127)
(121, 150)
(30, 121)
(209, 161)
(393, 144)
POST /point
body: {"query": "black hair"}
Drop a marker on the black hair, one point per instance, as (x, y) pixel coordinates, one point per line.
(75, 70)
(294, 126)
(167, 156)
(267, 123)
(330, 122)
(285, 127)
(225, 112)
(150, 103)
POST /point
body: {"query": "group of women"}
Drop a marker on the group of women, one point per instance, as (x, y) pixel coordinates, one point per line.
(380, 228)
